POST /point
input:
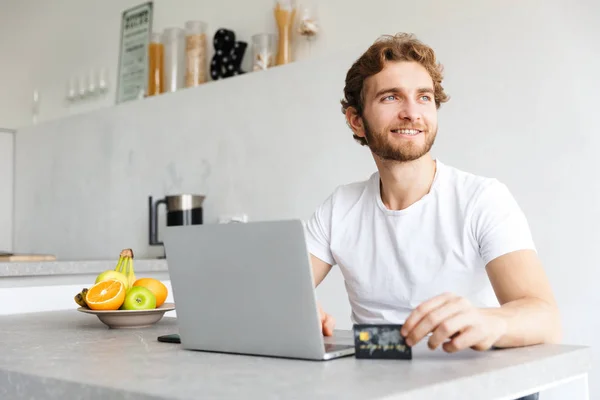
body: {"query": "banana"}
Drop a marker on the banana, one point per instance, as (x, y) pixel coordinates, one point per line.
(79, 300)
(119, 266)
(130, 273)
(80, 297)
(125, 265)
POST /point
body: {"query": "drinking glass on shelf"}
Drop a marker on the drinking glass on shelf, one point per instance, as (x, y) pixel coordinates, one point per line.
(308, 26)
(263, 51)
(72, 89)
(82, 86)
(103, 80)
(92, 82)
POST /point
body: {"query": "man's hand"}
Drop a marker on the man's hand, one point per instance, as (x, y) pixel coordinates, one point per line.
(327, 322)
(453, 318)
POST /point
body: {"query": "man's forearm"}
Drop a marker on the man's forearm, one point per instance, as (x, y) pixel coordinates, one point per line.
(528, 321)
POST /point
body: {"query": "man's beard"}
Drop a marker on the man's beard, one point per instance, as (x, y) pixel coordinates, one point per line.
(381, 145)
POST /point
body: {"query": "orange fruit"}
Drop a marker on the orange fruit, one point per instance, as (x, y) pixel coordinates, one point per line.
(157, 288)
(106, 295)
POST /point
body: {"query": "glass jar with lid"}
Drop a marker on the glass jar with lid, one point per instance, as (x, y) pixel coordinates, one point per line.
(173, 40)
(156, 76)
(196, 71)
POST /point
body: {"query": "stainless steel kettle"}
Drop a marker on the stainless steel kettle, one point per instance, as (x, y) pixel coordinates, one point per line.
(182, 209)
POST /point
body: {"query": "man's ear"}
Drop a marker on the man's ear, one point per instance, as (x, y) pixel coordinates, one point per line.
(355, 122)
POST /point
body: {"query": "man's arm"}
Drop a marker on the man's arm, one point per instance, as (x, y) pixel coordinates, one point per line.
(318, 236)
(528, 307)
(320, 269)
(528, 313)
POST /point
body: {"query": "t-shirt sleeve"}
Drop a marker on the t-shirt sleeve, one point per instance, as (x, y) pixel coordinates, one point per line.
(498, 223)
(318, 232)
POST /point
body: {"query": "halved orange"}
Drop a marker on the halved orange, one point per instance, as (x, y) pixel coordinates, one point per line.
(106, 295)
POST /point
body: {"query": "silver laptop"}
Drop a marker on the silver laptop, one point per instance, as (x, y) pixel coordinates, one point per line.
(246, 288)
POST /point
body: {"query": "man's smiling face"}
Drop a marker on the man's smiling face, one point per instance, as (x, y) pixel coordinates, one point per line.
(400, 114)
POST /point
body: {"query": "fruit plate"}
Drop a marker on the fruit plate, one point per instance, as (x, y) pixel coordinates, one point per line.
(130, 318)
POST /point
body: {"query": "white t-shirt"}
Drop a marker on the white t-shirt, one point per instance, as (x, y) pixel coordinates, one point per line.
(392, 261)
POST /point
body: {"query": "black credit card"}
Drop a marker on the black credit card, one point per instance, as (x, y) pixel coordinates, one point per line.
(380, 341)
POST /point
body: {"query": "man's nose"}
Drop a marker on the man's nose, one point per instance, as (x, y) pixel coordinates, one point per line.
(409, 112)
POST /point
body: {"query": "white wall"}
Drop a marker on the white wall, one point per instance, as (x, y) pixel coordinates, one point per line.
(88, 177)
(523, 81)
(6, 189)
(50, 41)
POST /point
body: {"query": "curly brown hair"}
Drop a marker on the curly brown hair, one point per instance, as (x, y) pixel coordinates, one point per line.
(399, 47)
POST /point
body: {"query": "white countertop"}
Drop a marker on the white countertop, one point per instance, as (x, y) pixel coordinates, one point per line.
(68, 354)
(45, 268)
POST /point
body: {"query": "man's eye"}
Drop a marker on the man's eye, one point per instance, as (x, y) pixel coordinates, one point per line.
(425, 98)
(390, 97)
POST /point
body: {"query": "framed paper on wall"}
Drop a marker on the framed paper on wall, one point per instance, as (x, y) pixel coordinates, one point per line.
(136, 29)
